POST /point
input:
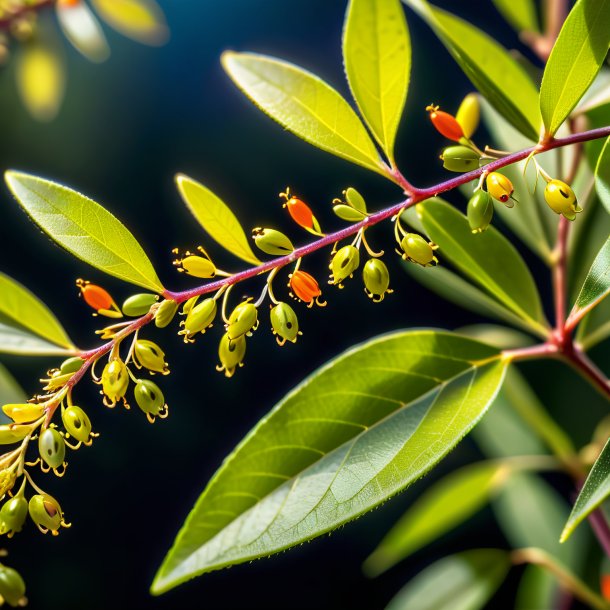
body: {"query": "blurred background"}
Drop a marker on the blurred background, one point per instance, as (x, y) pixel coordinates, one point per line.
(126, 127)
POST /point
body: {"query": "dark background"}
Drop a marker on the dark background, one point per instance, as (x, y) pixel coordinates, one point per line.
(125, 129)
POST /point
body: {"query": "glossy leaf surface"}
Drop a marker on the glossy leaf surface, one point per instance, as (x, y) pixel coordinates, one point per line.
(521, 14)
(354, 433)
(84, 228)
(304, 104)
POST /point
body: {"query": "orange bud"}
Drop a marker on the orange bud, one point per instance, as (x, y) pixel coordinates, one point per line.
(605, 586)
(305, 287)
(445, 123)
(301, 213)
(98, 298)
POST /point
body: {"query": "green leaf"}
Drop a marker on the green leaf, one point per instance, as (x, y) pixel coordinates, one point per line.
(357, 431)
(140, 20)
(488, 259)
(464, 581)
(20, 307)
(215, 216)
(537, 589)
(17, 341)
(377, 56)
(575, 60)
(84, 228)
(532, 513)
(501, 337)
(597, 283)
(531, 219)
(10, 391)
(521, 14)
(438, 510)
(595, 490)
(602, 175)
(304, 104)
(488, 65)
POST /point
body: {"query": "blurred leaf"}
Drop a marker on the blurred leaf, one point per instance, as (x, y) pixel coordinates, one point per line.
(597, 283)
(521, 14)
(488, 65)
(356, 432)
(377, 56)
(84, 228)
(531, 219)
(10, 391)
(498, 336)
(41, 79)
(83, 30)
(216, 218)
(488, 259)
(304, 104)
(141, 20)
(602, 175)
(464, 581)
(439, 509)
(455, 289)
(537, 589)
(575, 60)
(532, 513)
(22, 308)
(595, 490)
(14, 340)
(597, 95)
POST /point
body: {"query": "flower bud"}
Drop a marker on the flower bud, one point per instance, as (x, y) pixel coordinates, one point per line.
(99, 299)
(561, 199)
(198, 319)
(71, 365)
(301, 213)
(376, 279)
(305, 288)
(500, 188)
(52, 448)
(115, 381)
(480, 211)
(139, 304)
(23, 413)
(12, 587)
(272, 242)
(12, 515)
(460, 159)
(347, 213)
(343, 264)
(355, 199)
(165, 313)
(417, 250)
(231, 354)
(76, 422)
(149, 355)
(149, 397)
(12, 433)
(46, 513)
(284, 323)
(468, 114)
(243, 319)
(445, 123)
(195, 265)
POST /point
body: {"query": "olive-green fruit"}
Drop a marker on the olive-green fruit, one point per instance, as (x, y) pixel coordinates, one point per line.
(139, 304)
(480, 211)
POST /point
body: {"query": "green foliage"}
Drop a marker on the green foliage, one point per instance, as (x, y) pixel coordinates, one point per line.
(575, 60)
(377, 56)
(216, 218)
(10, 391)
(464, 581)
(350, 436)
(597, 283)
(84, 228)
(595, 490)
(490, 67)
(521, 14)
(24, 315)
(304, 104)
(602, 175)
(488, 259)
(439, 509)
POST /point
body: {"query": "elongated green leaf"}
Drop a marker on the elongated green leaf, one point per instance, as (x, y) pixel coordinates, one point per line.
(521, 14)
(357, 431)
(464, 581)
(575, 60)
(215, 216)
(602, 175)
(597, 283)
(456, 289)
(304, 104)
(442, 507)
(501, 337)
(141, 20)
(377, 56)
(10, 390)
(488, 259)
(84, 228)
(14, 340)
(532, 513)
(595, 490)
(537, 589)
(22, 308)
(488, 65)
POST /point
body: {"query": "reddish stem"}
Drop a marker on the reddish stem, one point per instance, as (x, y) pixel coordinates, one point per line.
(560, 278)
